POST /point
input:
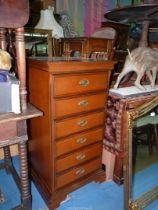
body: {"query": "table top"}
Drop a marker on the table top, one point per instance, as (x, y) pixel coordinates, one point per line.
(137, 13)
(30, 112)
(14, 14)
(133, 91)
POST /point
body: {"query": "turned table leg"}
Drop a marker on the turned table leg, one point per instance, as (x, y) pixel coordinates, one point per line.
(13, 130)
(26, 198)
(7, 158)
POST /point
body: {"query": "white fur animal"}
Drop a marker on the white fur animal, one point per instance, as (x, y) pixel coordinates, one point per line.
(141, 60)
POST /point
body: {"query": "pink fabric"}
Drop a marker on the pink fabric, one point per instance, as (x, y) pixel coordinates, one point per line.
(94, 15)
(66, 4)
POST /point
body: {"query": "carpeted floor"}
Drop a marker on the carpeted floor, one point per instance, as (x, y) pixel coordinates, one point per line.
(93, 196)
(11, 193)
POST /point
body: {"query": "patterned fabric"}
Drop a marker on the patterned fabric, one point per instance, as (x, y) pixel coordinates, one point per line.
(114, 125)
(113, 135)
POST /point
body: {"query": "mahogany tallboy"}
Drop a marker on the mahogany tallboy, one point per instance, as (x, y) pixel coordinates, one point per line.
(66, 144)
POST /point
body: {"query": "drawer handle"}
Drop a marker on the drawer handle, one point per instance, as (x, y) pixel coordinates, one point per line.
(83, 103)
(84, 82)
(80, 171)
(80, 157)
(82, 123)
(81, 140)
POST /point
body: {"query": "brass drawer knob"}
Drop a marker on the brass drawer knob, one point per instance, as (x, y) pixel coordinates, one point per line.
(80, 172)
(84, 82)
(80, 157)
(83, 103)
(81, 140)
(82, 123)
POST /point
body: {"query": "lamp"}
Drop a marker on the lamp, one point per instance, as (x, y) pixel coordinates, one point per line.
(47, 21)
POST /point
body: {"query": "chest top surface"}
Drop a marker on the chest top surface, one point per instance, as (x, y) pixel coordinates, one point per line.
(65, 65)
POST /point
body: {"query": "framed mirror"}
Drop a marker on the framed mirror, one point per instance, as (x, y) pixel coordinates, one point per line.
(141, 156)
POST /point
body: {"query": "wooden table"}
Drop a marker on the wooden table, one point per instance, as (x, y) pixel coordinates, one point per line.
(13, 130)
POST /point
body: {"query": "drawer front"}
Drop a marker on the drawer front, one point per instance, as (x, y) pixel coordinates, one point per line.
(73, 125)
(76, 142)
(74, 84)
(77, 173)
(78, 157)
(80, 104)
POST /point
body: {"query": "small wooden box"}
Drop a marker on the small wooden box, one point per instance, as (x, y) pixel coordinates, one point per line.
(88, 47)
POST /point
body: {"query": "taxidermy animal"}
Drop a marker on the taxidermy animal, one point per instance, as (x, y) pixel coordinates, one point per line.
(5, 60)
(141, 60)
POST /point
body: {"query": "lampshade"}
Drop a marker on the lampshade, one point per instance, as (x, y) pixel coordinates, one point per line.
(47, 21)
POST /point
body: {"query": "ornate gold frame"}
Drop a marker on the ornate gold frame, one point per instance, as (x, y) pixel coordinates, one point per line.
(151, 195)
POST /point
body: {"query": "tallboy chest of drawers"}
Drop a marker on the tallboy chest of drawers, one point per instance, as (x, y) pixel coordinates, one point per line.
(66, 143)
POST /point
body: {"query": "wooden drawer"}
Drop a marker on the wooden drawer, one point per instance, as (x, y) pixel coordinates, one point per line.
(76, 124)
(79, 104)
(80, 83)
(78, 157)
(77, 173)
(76, 142)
